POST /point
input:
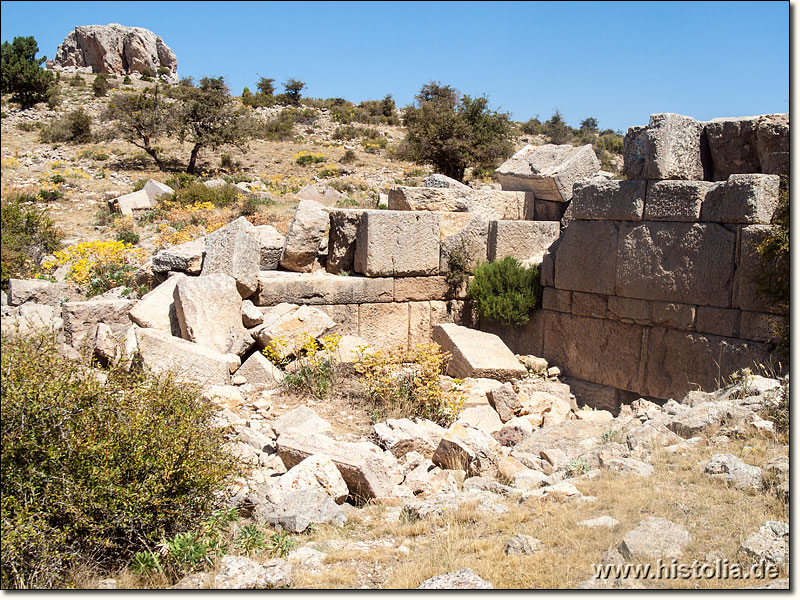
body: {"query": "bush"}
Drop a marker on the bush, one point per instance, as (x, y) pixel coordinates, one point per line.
(505, 291)
(76, 81)
(305, 157)
(349, 157)
(21, 74)
(406, 383)
(317, 363)
(127, 80)
(28, 234)
(195, 193)
(75, 128)
(97, 471)
(100, 85)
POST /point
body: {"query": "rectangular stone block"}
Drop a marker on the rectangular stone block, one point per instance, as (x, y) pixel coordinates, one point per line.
(750, 269)
(384, 325)
(545, 210)
(589, 305)
(428, 198)
(743, 199)
(759, 326)
(732, 146)
(497, 204)
(477, 354)
(345, 316)
(718, 321)
(676, 200)
(690, 263)
(586, 259)
(597, 350)
(79, 317)
(342, 240)
(397, 244)
(672, 314)
(419, 323)
(594, 395)
(409, 289)
(275, 287)
(530, 337)
(607, 200)
(649, 312)
(676, 362)
(558, 300)
(772, 142)
(548, 270)
(520, 239)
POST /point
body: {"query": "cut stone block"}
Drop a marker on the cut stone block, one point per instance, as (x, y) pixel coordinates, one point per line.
(676, 200)
(477, 354)
(155, 190)
(156, 309)
(320, 193)
(670, 147)
(468, 449)
(125, 205)
(600, 199)
(718, 321)
(344, 315)
(308, 228)
(397, 243)
(209, 311)
(743, 199)
(429, 198)
(758, 326)
(300, 420)
(655, 538)
(589, 305)
(468, 240)
(749, 270)
(258, 369)
(40, 291)
(732, 144)
(271, 241)
(275, 287)
(599, 397)
(497, 204)
(79, 317)
(558, 300)
(548, 171)
(521, 239)
(342, 240)
(234, 250)
(586, 259)
(420, 288)
(648, 312)
(292, 325)
(419, 323)
(676, 262)
(384, 325)
(187, 258)
(772, 143)
(161, 352)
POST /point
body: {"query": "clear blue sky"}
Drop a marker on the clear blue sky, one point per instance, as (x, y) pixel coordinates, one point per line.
(616, 61)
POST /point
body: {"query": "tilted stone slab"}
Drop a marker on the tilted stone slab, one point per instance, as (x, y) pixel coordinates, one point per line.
(679, 201)
(156, 309)
(548, 171)
(398, 243)
(342, 240)
(79, 317)
(234, 250)
(271, 241)
(321, 193)
(40, 291)
(690, 263)
(209, 311)
(161, 352)
(601, 199)
(258, 369)
(187, 257)
(275, 287)
(521, 239)
(670, 147)
(368, 471)
(308, 228)
(586, 258)
(125, 205)
(155, 190)
(743, 199)
(468, 449)
(477, 354)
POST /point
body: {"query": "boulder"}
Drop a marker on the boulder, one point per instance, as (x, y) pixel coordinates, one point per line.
(251, 315)
(521, 239)
(302, 420)
(465, 579)
(468, 449)
(258, 369)
(654, 538)
(397, 244)
(707, 415)
(401, 436)
(734, 471)
(40, 291)
(770, 543)
(306, 231)
(300, 509)
(483, 417)
(315, 472)
(271, 242)
(548, 171)
(187, 257)
(599, 199)
(505, 401)
(319, 193)
(156, 309)
(209, 311)
(161, 352)
(476, 353)
(79, 317)
(28, 319)
(342, 240)
(234, 250)
(670, 147)
(242, 573)
(126, 204)
(522, 544)
(436, 180)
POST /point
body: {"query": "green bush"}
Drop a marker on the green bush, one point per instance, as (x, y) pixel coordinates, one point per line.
(75, 127)
(100, 85)
(94, 472)
(505, 291)
(197, 192)
(28, 234)
(21, 74)
(76, 81)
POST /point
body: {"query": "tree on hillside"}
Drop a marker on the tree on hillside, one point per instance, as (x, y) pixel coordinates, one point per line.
(454, 132)
(22, 74)
(292, 94)
(589, 125)
(557, 130)
(265, 86)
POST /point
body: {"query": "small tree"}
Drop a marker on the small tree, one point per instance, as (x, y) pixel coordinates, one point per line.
(589, 125)
(557, 130)
(22, 74)
(265, 86)
(100, 85)
(293, 87)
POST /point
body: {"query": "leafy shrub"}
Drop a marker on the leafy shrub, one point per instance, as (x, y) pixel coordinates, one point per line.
(76, 81)
(127, 80)
(406, 383)
(459, 266)
(316, 364)
(128, 237)
(304, 157)
(50, 195)
(577, 467)
(146, 75)
(349, 157)
(100, 85)
(328, 171)
(28, 234)
(505, 291)
(198, 193)
(75, 128)
(97, 471)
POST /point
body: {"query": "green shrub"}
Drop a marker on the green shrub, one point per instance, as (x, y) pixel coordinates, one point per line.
(146, 75)
(505, 291)
(100, 85)
(197, 192)
(76, 81)
(50, 195)
(75, 127)
(127, 80)
(97, 471)
(349, 157)
(28, 234)
(128, 237)
(22, 75)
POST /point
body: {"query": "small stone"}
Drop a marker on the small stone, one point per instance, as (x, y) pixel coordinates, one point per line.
(238, 380)
(604, 521)
(465, 579)
(522, 544)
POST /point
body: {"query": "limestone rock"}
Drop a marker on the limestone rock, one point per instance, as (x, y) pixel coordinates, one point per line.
(187, 257)
(476, 353)
(342, 240)
(770, 543)
(125, 205)
(156, 309)
(521, 239)
(258, 369)
(706, 415)
(40, 291)
(469, 241)
(28, 319)
(319, 193)
(397, 244)
(436, 180)
(465, 579)
(505, 401)
(401, 436)
(79, 317)
(678, 200)
(234, 250)
(772, 143)
(292, 326)
(732, 144)
(742, 199)
(271, 242)
(483, 417)
(301, 419)
(306, 231)
(604, 521)
(603, 200)
(300, 509)
(654, 538)
(251, 316)
(522, 544)
(155, 190)
(670, 147)
(735, 471)
(316, 471)
(242, 573)
(467, 448)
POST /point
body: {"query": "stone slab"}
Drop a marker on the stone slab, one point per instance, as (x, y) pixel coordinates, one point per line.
(477, 353)
(676, 200)
(520, 239)
(601, 199)
(397, 244)
(275, 287)
(586, 258)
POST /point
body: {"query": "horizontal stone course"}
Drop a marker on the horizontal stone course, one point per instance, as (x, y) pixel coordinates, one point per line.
(275, 287)
(601, 199)
(397, 243)
(676, 200)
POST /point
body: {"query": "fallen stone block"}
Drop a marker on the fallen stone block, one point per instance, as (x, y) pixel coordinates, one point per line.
(320, 193)
(483, 417)
(306, 232)
(397, 244)
(743, 199)
(521, 239)
(79, 317)
(40, 291)
(468, 449)
(736, 472)
(401, 436)
(29, 319)
(300, 420)
(292, 327)
(477, 354)
(300, 509)
(603, 200)
(251, 315)
(315, 472)
(187, 257)
(126, 204)
(258, 369)
(444, 199)
(271, 241)
(156, 309)
(234, 250)
(155, 190)
(436, 180)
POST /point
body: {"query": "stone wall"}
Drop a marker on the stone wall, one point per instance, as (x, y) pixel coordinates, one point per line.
(651, 289)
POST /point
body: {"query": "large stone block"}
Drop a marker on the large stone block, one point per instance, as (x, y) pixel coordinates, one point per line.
(545, 210)
(589, 305)
(548, 171)
(718, 321)
(759, 327)
(743, 199)
(466, 240)
(384, 325)
(308, 228)
(320, 193)
(161, 352)
(397, 243)
(670, 147)
(155, 190)
(187, 257)
(491, 203)
(586, 258)
(750, 270)
(344, 315)
(125, 205)
(292, 323)
(421, 288)
(676, 362)
(271, 241)
(342, 240)
(772, 143)
(732, 144)
(597, 350)
(209, 311)
(80, 317)
(676, 262)
(234, 250)
(676, 200)
(258, 369)
(477, 353)
(40, 291)
(156, 309)
(558, 300)
(601, 199)
(594, 395)
(497, 204)
(649, 312)
(521, 239)
(275, 287)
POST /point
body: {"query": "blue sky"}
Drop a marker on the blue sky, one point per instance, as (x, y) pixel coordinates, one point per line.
(616, 61)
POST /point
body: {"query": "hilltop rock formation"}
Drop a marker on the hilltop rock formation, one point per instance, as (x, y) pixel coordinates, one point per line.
(115, 49)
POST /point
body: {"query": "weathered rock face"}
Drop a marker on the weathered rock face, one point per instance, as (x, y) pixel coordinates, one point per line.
(235, 251)
(306, 231)
(116, 49)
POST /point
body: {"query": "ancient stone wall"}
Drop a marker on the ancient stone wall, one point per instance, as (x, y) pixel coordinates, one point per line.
(651, 289)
